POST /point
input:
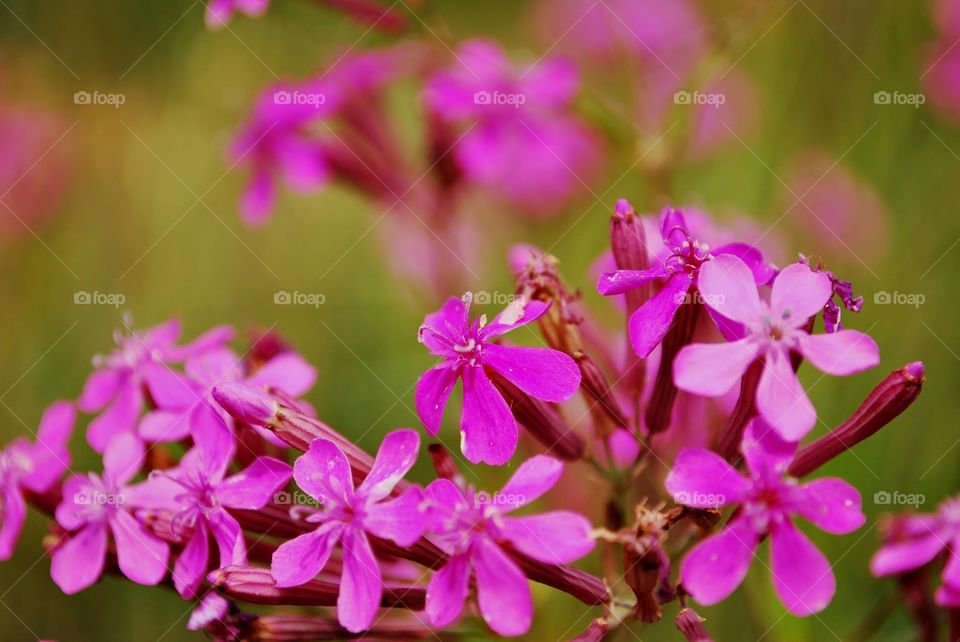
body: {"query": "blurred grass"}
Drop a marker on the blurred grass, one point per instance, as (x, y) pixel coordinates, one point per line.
(131, 224)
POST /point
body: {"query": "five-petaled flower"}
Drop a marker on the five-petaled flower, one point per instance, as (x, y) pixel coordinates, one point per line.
(772, 331)
(679, 263)
(94, 504)
(471, 528)
(347, 515)
(32, 466)
(488, 429)
(768, 501)
(198, 494)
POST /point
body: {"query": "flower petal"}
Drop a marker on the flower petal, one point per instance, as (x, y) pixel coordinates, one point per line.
(301, 559)
(213, 439)
(13, 511)
(830, 503)
(622, 281)
(752, 258)
(119, 417)
(169, 390)
(78, 563)
(229, 537)
(360, 585)
(164, 426)
(433, 390)
(518, 313)
(324, 473)
(488, 430)
(531, 480)
(402, 520)
(841, 353)
(901, 556)
(503, 593)
(191, 565)
(254, 486)
(396, 456)
(447, 591)
(99, 388)
(728, 286)
(122, 459)
(712, 369)
(542, 373)
(768, 455)
(802, 575)
(782, 401)
(50, 456)
(554, 537)
(800, 292)
(448, 325)
(288, 372)
(652, 320)
(715, 567)
(141, 555)
(703, 479)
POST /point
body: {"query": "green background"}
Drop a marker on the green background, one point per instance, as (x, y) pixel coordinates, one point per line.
(130, 224)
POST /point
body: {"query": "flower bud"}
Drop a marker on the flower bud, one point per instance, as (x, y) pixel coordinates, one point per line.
(884, 403)
(594, 633)
(660, 406)
(691, 626)
(307, 628)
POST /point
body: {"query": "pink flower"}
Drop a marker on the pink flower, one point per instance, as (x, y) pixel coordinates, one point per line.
(94, 505)
(802, 576)
(471, 528)
(520, 136)
(347, 516)
(286, 371)
(915, 540)
(198, 493)
(140, 361)
(771, 330)
(34, 466)
(680, 265)
(220, 12)
(488, 429)
(941, 79)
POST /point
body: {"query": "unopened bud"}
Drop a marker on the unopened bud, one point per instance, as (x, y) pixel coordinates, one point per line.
(691, 626)
(594, 633)
(444, 464)
(884, 403)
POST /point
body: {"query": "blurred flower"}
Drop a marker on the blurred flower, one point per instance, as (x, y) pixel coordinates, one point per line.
(347, 516)
(139, 365)
(32, 466)
(33, 168)
(470, 528)
(802, 576)
(772, 330)
(520, 136)
(95, 504)
(220, 12)
(835, 210)
(488, 429)
(198, 494)
(947, 16)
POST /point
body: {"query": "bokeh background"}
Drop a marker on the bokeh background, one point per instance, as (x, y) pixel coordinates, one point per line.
(148, 210)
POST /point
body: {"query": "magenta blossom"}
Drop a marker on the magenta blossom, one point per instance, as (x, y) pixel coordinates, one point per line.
(32, 466)
(915, 540)
(471, 528)
(802, 576)
(286, 371)
(94, 505)
(772, 331)
(520, 135)
(680, 265)
(348, 514)
(487, 427)
(137, 366)
(198, 494)
(220, 12)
